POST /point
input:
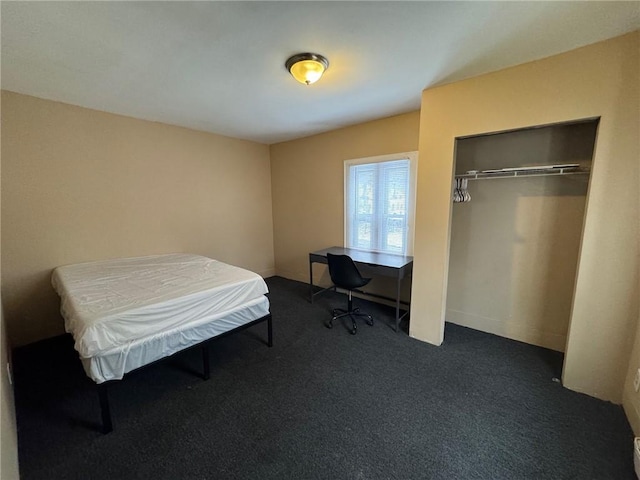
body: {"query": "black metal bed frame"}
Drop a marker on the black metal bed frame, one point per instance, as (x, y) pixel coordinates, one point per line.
(107, 424)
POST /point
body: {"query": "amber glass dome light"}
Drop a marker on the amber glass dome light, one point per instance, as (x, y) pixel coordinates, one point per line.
(307, 68)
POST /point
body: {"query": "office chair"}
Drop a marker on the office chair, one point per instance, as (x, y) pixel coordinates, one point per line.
(345, 274)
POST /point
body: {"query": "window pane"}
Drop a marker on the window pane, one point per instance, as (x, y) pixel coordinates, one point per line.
(395, 234)
(365, 189)
(396, 183)
(363, 234)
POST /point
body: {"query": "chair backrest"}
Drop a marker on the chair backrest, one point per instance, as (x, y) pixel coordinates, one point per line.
(344, 272)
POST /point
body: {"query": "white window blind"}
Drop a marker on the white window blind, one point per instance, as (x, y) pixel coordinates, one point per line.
(379, 203)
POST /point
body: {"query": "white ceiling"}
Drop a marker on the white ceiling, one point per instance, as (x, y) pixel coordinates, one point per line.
(219, 66)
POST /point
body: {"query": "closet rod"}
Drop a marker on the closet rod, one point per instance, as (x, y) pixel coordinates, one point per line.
(523, 173)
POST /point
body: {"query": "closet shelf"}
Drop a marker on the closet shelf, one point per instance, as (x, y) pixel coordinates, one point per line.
(526, 172)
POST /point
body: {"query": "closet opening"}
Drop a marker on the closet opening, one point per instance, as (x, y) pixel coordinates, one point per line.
(516, 228)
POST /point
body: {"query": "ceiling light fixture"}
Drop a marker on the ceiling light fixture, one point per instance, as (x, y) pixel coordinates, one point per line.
(307, 68)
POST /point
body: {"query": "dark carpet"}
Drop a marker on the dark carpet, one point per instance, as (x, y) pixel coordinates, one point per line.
(321, 404)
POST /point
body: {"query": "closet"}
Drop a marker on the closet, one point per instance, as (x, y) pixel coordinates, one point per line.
(519, 204)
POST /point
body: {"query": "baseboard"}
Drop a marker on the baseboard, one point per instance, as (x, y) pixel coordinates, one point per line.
(510, 330)
(270, 272)
(323, 284)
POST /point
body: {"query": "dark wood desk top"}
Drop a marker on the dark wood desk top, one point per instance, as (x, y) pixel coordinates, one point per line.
(371, 258)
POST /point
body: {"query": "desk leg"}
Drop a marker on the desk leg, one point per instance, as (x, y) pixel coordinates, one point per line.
(398, 304)
(311, 281)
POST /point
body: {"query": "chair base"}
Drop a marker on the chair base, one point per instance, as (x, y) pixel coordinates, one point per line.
(340, 313)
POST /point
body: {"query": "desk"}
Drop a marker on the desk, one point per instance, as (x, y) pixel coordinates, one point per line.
(395, 266)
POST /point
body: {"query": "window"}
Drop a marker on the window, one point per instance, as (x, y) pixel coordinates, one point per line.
(379, 203)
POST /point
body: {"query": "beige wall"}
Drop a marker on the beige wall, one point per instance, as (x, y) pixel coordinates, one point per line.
(81, 185)
(8, 429)
(8, 432)
(514, 247)
(599, 80)
(514, 250)
(307, 178)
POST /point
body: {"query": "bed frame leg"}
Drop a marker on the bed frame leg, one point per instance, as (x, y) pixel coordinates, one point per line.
(270, 331)
(205, 362)
(107, 426)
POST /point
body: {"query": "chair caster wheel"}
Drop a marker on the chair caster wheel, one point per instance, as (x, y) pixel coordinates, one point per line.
(370, 322)
(328, 325)
(353, 331)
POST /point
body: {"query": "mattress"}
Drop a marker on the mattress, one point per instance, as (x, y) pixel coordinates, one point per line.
(109, 304)
(113, 364)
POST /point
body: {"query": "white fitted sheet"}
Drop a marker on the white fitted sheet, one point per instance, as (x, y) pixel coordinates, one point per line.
(116, 362)
(108, 304)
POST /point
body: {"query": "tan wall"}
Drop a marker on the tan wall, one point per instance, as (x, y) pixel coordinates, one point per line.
(307, 178)
(514, 247)
(514, 250)
(597, 80)
(81, 185)
(8, 430)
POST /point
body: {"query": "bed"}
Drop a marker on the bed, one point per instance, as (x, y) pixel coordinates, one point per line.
(130, 312)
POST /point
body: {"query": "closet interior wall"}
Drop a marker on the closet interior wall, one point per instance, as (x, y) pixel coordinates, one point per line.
(514, 246)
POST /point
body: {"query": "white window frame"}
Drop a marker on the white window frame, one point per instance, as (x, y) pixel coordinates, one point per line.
(413, 177)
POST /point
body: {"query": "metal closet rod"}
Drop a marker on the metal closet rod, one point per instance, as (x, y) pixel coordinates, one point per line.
(542, 172)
